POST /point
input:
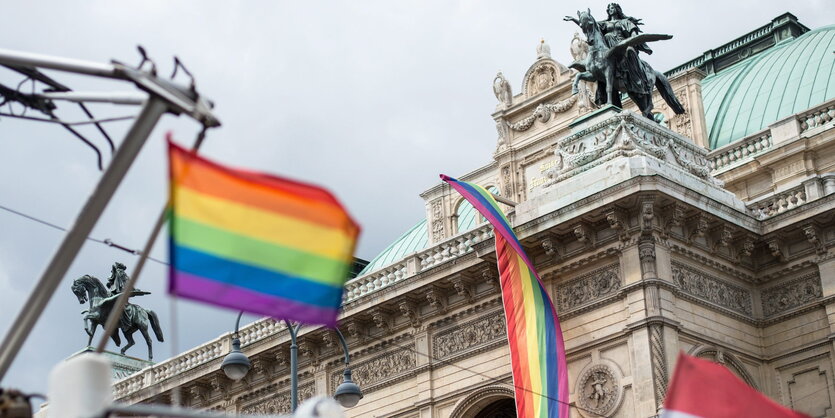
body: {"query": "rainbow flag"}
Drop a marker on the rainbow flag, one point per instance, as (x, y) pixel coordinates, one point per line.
(537, 351)
(255, 242)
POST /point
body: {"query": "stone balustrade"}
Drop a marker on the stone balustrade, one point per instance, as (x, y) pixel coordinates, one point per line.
(817, 117)
(171, 367)
(740, 151)
(375, 281)
(453, 248)
(778, 203)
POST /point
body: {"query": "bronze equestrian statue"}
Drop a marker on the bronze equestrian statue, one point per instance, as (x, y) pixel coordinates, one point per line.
(134, 318)
(614, 64)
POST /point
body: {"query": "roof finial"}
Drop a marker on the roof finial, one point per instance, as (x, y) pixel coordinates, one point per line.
(543, 50)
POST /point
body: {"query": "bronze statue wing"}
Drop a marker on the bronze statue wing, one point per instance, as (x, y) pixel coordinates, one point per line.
(579, 66)
(635, 41)
(112, 299)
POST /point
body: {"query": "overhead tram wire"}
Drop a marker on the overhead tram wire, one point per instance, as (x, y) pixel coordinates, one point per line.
(107, 241)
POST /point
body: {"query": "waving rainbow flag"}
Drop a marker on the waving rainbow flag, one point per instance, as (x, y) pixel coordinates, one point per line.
(537, 351)
(255, 242)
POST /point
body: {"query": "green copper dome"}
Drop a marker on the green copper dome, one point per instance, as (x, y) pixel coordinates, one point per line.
(790, 77)
(417, 237)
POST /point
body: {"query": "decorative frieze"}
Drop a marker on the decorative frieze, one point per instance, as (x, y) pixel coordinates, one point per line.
(702, 286)
(790, 295)
(475, 333)
(278, 404)
(587, 288)
(543, 113)
(371, 374)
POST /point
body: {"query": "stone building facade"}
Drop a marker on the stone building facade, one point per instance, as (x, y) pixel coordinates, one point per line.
(710, 233)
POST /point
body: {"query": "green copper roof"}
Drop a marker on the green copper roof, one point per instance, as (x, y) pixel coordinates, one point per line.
(417, 237)
(790, 77)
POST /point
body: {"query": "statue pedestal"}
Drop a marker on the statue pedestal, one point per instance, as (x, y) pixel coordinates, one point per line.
(592, 118)
(122, 366)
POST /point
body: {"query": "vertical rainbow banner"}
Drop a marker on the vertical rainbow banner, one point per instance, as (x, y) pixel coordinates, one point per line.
(537, 351)
(256, 242)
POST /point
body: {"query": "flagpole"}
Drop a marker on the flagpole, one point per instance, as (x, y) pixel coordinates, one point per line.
(122, 300)
(153, 110)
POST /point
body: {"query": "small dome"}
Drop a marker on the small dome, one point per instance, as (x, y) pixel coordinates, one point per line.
(792, 76)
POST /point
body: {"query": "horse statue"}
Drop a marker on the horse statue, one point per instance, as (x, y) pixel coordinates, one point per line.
(613, 63)
(90, 289)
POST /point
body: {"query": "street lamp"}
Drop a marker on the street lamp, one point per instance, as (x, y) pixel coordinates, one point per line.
(236, 364)
(348, 393)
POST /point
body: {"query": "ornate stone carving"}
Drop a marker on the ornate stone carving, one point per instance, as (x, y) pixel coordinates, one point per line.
(471, 334)
(198, 394)
(646, 253)
(354, 328)
(723, 238)
(681, 123)
(282, 358)
(372, 374)
(409, 310)
(491, 278)
(790, 295)
(380, 318)
(776, 248)
(507, 181)
(617, 222)
(436, 298)
(543, 112)
(812, 236)
(278, 404)
(501, 88)
(708, 288)
(504, 135)
(599, 390)
(624, 134)
(543, 77)
(581, 232)
(549, 247)
(675, 217)
(588, 288)
(438, 233)
(659, 362)
(218, 384)
(308, 349)
(747, 247)
(647, 215)
(462, 287)
(699, 227)
(261, 366)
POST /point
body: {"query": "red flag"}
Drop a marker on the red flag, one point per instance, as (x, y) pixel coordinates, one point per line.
(703, 389)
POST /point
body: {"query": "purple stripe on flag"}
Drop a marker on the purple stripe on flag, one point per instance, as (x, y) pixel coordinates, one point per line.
(224, 294)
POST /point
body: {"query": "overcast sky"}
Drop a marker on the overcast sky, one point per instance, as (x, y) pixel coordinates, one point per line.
(370, 99)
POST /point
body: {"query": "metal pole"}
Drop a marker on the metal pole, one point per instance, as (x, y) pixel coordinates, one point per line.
(28, 59)
(294, 365)
(122, 300)
(84, 223)
(344, 346)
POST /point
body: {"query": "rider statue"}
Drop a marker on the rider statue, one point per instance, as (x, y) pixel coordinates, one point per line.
(619, 27)
(614, 64)
(616, 28)
(118, 279)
